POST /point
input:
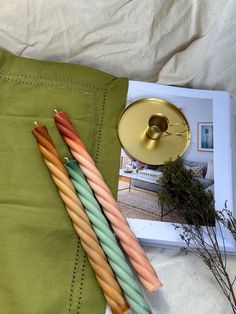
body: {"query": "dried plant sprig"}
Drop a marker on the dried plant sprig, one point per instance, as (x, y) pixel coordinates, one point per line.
(228, 220)
(182, 190)
(204, 243)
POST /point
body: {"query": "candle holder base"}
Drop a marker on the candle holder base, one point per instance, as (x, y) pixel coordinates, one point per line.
(153, 130)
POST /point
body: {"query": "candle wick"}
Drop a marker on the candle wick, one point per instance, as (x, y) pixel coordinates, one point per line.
(35, 122)
(55, 110)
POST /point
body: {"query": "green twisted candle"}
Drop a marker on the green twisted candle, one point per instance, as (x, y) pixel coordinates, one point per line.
(115, 256)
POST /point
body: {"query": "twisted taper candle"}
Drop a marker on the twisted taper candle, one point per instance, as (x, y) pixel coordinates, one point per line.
(108, 241)
(89, 241)
(128, 240)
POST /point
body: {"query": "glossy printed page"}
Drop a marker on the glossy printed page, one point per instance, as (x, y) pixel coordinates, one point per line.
(208, 157)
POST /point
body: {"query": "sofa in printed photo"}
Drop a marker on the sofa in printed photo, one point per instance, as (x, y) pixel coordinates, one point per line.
(203, 171)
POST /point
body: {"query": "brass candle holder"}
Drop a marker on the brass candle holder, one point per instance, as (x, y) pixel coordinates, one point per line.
(153, 130)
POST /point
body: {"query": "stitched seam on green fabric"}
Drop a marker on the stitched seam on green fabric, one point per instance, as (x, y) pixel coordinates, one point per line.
(91, 145)
(40, 84)
(3, 76)
(99, 141)
(94, 126)
(52, 77)
(74, 275)
(82, 280)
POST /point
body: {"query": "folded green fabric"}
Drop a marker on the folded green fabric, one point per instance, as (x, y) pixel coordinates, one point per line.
(43, 268)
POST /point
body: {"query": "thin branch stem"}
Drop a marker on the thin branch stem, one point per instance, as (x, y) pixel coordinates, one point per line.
(198, 230)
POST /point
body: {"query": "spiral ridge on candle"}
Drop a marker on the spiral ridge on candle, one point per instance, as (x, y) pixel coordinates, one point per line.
(128, 240)
(81, 223)
(108, 241)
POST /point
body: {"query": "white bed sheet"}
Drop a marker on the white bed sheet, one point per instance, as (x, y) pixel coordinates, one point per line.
(183, 43)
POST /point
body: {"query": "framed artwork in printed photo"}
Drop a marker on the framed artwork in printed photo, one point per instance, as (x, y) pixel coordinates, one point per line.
(209, 154)
(205, 141)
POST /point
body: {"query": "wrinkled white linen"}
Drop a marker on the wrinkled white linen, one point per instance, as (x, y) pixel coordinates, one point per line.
(184, 43)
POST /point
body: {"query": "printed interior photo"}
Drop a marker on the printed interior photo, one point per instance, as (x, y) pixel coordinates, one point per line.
(140, 194)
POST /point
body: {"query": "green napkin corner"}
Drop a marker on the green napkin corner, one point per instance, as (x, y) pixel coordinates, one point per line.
(43, 268)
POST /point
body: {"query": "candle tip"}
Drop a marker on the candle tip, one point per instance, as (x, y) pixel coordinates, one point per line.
(55, 110)
(35, 122)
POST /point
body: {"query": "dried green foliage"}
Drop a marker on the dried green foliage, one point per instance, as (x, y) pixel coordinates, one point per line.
(180, 189)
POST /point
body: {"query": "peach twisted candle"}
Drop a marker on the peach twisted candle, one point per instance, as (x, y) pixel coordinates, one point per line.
(128, 240)
(89, 241)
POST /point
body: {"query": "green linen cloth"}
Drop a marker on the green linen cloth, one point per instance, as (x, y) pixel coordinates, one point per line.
(43, 268)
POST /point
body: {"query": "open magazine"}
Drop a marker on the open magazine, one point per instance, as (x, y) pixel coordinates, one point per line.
(209, 156)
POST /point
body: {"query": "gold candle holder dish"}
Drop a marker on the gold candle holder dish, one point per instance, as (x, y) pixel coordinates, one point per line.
(153, 130)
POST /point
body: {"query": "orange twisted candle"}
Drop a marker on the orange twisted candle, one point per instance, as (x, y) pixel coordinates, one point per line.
(129, 242)
(89, 241)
